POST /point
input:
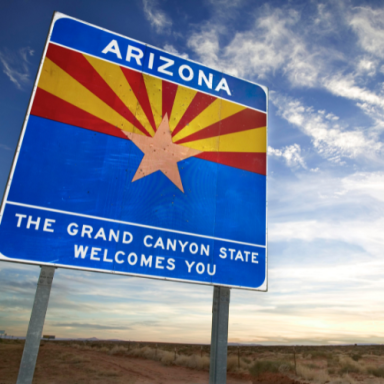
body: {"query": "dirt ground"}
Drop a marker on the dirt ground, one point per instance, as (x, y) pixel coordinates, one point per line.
(98, 361)
(60, 364)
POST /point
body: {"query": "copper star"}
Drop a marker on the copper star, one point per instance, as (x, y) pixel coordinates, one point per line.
(161, 154)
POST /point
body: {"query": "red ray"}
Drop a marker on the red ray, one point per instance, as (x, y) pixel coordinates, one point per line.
(53, 108)
(136, 81)
(241, 121)
(77, 66)
(168, 95)
(252, 162)
(198, 104)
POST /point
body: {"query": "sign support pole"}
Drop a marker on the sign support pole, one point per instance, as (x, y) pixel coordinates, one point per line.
(35, 327)
(219, 335)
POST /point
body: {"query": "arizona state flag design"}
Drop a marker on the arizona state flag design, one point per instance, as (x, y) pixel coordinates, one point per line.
(135, 161)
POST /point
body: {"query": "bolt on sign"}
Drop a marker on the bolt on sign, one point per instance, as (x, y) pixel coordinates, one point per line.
(136, 161)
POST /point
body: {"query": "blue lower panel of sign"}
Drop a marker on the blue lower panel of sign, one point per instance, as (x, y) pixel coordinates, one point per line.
(41, 236)
(77, 206)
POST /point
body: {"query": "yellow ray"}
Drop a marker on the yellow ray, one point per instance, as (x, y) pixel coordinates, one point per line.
(253, 140)
(218, 110)
(155, 94)
(57, 82)
(114, 77)
(183, 98)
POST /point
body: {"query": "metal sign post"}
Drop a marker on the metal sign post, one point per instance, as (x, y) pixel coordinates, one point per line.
(219, 335)
(35, 328)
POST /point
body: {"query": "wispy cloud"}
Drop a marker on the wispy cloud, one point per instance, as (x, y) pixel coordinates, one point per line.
(331, 138)
(291, 154)
(156, 17)
(170, 48)
(16, 65)
(300, 51)
(369, 26)
(3, 146)
(89, 326)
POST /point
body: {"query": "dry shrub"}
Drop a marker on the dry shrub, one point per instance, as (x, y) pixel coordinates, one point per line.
(260, 367)
(349, 365)
(135, 352)
(345, 380)
(378, 372)
(167, 358)
(150, 353)
(77, 346)
(232, 363)
(118, 351)
(318, 375)
(182, 360)
(198, 362)
(103, 349)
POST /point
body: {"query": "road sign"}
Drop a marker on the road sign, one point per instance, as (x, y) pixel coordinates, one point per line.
(135, 161)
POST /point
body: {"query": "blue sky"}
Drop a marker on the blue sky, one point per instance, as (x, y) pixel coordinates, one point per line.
(324, 65)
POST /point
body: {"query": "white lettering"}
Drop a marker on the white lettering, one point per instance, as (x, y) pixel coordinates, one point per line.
(189, 265)
(195, 248)
(168, 64)
(189, 69)
(151, 58)
(117, 257)
(254, 255)
(132, 254)
(35, 223)
(125, 241)
(207, 82)
(136, 53)
(112, 47)
(105, 258)
(214, 269)
(239, 256)
(159, 243)
(200, 268)
(87, 230)
(147, 262)
(171, 264)
(47, 225)
(71, 231)
(80, 251)
(223, 253)
(145, 241)
(171, 245)
(204, 250)
(20, 218)
(183, 245)
(94, 253)
(224, 86)
(159, 261)
(101, 234)
(114, 235)
(231, 252)
(246, 255)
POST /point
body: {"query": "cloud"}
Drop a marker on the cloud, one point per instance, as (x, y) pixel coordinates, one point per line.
(88, 326)
(16, 65)
(170, 48)
(156, 17)
(330, 138)
(3, 146)
(291, 154)
(273, 44)
(368, 24)
(303, 50)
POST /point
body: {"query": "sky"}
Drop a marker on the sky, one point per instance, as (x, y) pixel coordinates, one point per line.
(323, 62)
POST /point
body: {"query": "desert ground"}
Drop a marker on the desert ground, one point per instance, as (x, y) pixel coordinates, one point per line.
(83, 362)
